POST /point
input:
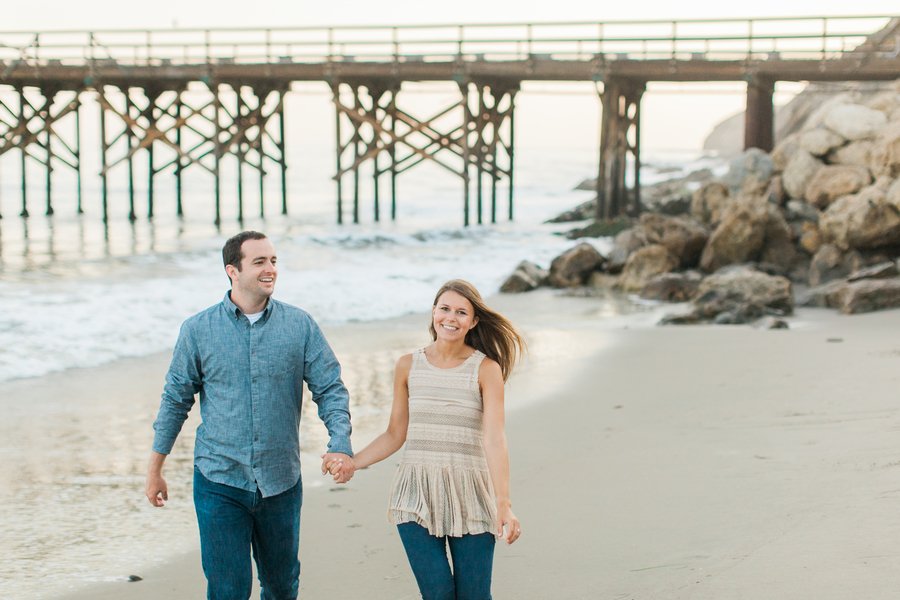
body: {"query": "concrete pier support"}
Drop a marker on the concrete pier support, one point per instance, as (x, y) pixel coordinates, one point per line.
(195, 128)
(759, 119)
(472, 138)
(620, 135)
(36, 125)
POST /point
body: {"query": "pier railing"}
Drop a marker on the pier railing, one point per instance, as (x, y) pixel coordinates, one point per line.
(813, 39)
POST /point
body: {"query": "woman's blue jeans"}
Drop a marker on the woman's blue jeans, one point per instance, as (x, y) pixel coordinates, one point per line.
(233, 522)
(472, 557)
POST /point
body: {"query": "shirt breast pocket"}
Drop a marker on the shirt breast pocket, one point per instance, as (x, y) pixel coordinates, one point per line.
(283, 360)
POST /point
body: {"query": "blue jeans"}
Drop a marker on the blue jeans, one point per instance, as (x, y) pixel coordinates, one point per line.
(232, 523)
(472, 556)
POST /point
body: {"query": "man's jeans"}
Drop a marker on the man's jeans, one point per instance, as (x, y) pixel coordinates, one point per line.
(473, 557)
(234, 521)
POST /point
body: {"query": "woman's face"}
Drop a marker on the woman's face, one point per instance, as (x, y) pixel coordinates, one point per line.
(453, 316)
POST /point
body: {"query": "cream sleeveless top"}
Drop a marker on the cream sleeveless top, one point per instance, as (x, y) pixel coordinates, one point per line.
(443, 482)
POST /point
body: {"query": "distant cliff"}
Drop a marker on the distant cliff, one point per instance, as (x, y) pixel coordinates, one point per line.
(727, 137)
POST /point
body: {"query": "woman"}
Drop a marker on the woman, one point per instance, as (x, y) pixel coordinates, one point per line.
(452, 486)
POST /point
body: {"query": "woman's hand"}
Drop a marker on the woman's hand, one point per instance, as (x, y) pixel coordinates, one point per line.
(508, 521)
(340, 466)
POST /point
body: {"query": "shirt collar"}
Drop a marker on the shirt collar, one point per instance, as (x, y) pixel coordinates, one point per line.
(232, 309)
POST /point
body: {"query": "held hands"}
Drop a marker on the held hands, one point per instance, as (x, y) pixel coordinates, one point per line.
(507, 521)
(338, 465)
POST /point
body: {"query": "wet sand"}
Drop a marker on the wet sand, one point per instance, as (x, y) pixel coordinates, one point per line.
(647, 462)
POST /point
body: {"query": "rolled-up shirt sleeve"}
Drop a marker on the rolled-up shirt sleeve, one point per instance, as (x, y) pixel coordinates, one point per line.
(322, 373)
(183, 381)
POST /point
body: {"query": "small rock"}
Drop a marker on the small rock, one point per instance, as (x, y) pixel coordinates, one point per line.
(691, 318)
(771, 323)
(526, 277)
(574, 266)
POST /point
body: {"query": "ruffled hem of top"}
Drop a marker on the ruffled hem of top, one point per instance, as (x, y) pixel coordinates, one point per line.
(447, 501)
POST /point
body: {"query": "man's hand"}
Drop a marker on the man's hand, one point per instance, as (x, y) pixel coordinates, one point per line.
(156, 490)
(340, 466)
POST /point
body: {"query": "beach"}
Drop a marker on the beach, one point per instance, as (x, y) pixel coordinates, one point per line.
(696, 462)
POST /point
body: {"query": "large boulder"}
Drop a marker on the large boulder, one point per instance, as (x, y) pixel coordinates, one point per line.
(816, 117)
(863, 220)
(855, 122)
(682, 237)
(892, 196)
(709, 202)
(833, 181)
(820, 141)
(799, 171)
(784, 150)
(866, 295)
(573, 267)
(885, 157)
(745, 285)
(583, 211)
(830, 263)
(887, 101)
(526, 276)
(624, 244)
(857, 154)
(644, 264)
(739, 237)
(672, 197)
(750, 171)
(671, 287)
(778, 248)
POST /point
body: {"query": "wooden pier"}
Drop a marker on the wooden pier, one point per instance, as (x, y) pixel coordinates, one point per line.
(147, 84)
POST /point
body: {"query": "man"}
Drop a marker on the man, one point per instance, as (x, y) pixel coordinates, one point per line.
(248, 357)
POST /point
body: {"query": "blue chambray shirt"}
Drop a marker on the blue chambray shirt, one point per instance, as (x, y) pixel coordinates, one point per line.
(250, 380)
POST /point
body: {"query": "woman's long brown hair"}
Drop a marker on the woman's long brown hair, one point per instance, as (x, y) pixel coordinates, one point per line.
(494, 335)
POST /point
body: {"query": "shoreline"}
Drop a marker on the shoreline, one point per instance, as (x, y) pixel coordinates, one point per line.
(97, 462)
(702, 462)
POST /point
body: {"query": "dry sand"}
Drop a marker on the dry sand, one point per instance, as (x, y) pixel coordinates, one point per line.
(647, 462)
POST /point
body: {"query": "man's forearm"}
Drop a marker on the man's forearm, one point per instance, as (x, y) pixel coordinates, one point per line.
(156, 462)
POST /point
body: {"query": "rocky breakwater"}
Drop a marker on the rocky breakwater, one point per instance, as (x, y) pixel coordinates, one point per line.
(814, 223)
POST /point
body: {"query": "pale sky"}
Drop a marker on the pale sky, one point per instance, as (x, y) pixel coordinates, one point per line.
(97, 14)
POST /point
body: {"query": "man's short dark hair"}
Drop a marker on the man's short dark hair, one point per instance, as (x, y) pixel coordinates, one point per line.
(231, 251)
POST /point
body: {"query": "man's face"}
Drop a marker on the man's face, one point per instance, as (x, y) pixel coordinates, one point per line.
(256, 278)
